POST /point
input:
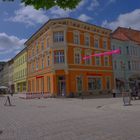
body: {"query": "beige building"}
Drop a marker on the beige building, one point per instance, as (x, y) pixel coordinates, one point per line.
(20, 71)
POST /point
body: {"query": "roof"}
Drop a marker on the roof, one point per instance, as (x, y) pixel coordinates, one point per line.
(126, 34)
(57, 19)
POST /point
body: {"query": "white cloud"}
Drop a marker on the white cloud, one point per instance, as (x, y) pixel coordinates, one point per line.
(10, 45)
(57, 12)
(93, 5)
(81, 4)
(84, 17)
(131, 19)
(28, 15)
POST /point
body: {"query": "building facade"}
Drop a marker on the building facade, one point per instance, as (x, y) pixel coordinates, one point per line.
(5, 81)
(1, 72)
(11, 76)
(20, 71)
(127, 64)
(55, 58)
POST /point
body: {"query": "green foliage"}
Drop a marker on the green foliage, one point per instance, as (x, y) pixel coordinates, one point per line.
(47, 4)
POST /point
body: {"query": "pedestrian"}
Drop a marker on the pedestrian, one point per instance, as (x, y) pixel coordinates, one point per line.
(114, 93)
(7, 100)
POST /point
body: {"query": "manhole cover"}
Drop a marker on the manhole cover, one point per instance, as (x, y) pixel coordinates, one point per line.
(1, 131)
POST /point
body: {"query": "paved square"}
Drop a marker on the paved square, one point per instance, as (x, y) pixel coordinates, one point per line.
(69, 119)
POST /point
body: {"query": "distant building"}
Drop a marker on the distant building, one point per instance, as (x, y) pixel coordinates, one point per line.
(1, 72)
(5, 75)
(11, 76)
(126, 65)
(55, 58)
(20, 71)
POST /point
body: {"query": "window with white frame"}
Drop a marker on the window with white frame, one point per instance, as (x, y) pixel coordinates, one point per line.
(106, 60)
(96, 43)
(127, 50)
(32, 51)
(37, 64)
(79, 83)
(88, 61)
(42, 62)
(76, 37)
(94, 83)
(42, 45)
(58, 36)
(37, 49)
(77, 57)
(97, 60)
(104, 44)
(59, 57)
(48, 59)
(32, 66)
(48, 42)
(129, 65)
(87, 39)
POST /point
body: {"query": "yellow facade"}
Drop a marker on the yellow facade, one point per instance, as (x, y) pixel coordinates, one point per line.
(20, 71)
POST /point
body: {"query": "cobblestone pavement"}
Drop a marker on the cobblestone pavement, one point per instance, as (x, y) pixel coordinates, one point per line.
(69, 119)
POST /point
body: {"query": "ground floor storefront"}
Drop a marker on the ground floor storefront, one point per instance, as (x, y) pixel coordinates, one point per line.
(20, 87)
(63, 83)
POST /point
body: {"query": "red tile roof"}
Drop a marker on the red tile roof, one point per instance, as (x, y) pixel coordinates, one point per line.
(126, 34)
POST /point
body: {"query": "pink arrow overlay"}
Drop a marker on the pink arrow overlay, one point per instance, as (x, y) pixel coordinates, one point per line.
(118, 51)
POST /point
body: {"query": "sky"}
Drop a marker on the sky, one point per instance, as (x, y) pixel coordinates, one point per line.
(18, 23)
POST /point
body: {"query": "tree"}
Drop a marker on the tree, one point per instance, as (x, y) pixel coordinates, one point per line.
(47, 4)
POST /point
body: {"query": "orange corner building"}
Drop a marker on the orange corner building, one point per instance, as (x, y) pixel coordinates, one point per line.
(55, 58)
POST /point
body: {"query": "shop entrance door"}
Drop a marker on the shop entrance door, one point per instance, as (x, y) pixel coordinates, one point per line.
(61, 86)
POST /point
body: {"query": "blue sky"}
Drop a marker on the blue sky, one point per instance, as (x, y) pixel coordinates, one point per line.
(18, 23)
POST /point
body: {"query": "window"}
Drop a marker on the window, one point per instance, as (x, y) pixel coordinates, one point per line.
(113, 47)
(48, 42)
(59, 57)
(97, 60)
(87, 39)
(120, 50)
(129, 65)
(105, 44)
(76, 37)
(108, 83)
(48, 84)
(94, 83)
(96, 43)
(127, 50)
(58, 36)
(106, 61)
(88, 61)
(42, 45)
(48, 59)
(32, 67)
(36, 64)
(79, 83)
(32, 52)
(42, 62)
(37, 48)
(77, 57)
